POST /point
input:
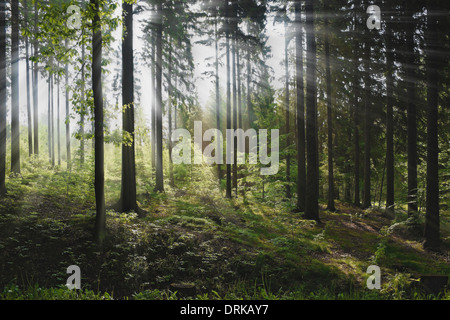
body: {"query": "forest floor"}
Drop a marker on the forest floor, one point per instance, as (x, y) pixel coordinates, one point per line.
(194, 243)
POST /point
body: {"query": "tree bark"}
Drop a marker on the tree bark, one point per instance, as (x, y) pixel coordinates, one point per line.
(99, 154)
(3, 97)
(27, 62)
(15, 123)
(68, 151)
(159, 187)
(287, 106)
(36, 83)
(312, 178)
(300, 112)
(228, 165)
(432, 223)
(128, 190)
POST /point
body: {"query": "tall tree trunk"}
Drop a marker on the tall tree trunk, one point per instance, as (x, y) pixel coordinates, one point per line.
(249, 89)
(233, 51)
(411, 115)
(153, 104)
(36, 83)
(128, 190)
(312, 177)
(3, 97)
(367, 121)
(228, 165)
(27, 61)
(287, 103)
(356, 77)
(300, 111)
(432, 223)
(216, 43)
(159, 138)
(390, 209)
(68, 151)
(15, 123)
(58, 120)
(330, 206)
(99, 152)
(169, 107)
(49, 114)
(83, 109)
(52, 119)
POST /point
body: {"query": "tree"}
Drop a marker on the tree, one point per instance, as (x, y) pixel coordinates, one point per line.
(389, 122)
(355, 105)
(3, 97)
(68, 151)
(27, 61)
(227, 31)
(36, 82)
(312, 177)
(100, 219)
(432, 237)
(300, 110)
(410, 78)
(159, 187)
(331, 206)
(128, 190)
(15, 124)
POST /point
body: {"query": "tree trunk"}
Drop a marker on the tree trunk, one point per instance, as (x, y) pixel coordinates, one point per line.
(68, 151)
(301, 171)
(153, 104)
(36, 84)
(159, 187)
(169, 107)
(411, 115)
(287, 103)
(390, 210)
(27, 61)
(432, 237)
(128, 191)
(367, 121)
(15, 123)
(330, 206)
(52, 119)
(228, 165)
(83, 109)
(99, 152)
(58, 120)
(312, 178)
(356, 78)
(234, 49)
(3, 97)
(216, 42)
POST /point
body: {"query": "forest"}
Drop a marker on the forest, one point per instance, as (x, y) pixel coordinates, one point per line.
(224, 150)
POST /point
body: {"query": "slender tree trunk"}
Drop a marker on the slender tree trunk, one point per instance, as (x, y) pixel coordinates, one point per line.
(390, 209)
(228, 165)
(68, 151)
(356, 77)
(367, 121)
(52, 119)
(27, 61)
(432, 220)
(330, 206)
(216, 43)
(233, 51)
(300, 111)
(411, 115)
(83, 109)
(3, 97)
(169, 107)
(36, 83)
(128, 190)
(159, 138)
(99, 153)
(249, 89)
(287, 106)
(15, 123)
(312, 178)
(153, 104)
(58, 120)
(49, 114)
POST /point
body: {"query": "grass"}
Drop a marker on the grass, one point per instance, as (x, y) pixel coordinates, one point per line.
(227, 249)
